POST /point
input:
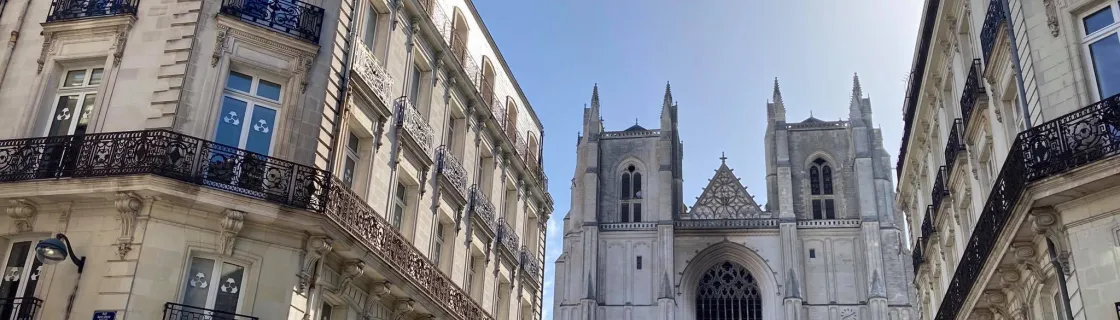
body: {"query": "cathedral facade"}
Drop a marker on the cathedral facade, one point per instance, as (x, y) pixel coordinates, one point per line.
(827, 245)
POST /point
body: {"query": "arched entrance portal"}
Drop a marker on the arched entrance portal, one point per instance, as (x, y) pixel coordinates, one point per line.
(727, 291)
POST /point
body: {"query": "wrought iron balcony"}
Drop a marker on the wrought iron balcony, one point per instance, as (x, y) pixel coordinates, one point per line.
(519, 146)
(370, 71)
(530, 265)
(940, 189)
(954, 146)
(435, 12)
(20, 308)
(973, 91)
(481, 208)
(993, 20)
(498, 109)
(414, 124)
(292, 17)
(62, 10)
(167, 154)
(175, 311)
(1074, 140)
(917, 255)
(508, 237)
(452, 170)
(928, 228)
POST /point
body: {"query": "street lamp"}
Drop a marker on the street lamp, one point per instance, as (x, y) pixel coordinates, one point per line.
(55, 250)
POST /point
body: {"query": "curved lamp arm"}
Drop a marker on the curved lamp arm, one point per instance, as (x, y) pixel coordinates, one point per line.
(80, 262)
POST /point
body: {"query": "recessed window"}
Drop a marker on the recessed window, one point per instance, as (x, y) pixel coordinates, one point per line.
(812, 253)
(248, 113)
(639, 262)
(399, 205)
(74, 101)
(20, 278)
(414, 89)
(350, 164)
(820, 190)
(326, 312)
(1102, 45)
(214, 284)
(369, 30)
(437, 244)
(630, 193)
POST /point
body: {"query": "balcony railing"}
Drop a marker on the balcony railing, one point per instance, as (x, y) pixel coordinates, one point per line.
(917, 256)
(498, 109)
(1072, 141)
(62, 10)
(196, 161)
(507, 237)
(175, 311)
(940, 189)
(954, 146)
(928, 228)
(167, 154)
(370, 70)
(20, 308)
(973, 91)
(452, 170)
(520, 146)
(415, 125)
(292, 17)
(530, 265)
(993, 20)
(482, 208)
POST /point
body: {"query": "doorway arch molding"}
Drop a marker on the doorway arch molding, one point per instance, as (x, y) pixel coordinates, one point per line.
(737, 253)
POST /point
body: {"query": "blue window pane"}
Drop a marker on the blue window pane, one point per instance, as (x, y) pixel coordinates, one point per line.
(1106, 63)
(268, 90)
(261, 130)
(237, 81)
(1098, 20)
(230, 122)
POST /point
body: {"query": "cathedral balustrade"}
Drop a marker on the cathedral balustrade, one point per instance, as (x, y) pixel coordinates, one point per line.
(993, 20)
(954, 146)
(452, 171)
(1077, 139)
(817, 125)
(628, 134)
(205, 163)
(628, 226)
(414, 124)
(728, 224)
(830, 223)
(973, 93)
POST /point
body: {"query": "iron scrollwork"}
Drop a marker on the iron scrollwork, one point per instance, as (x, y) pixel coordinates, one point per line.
(292, 17)
(452, 170)
(414, 124)
(62, 10)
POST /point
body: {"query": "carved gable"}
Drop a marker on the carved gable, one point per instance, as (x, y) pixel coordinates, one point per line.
(725, 198)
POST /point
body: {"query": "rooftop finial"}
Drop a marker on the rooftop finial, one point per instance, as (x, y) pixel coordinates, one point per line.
(723, 157)
(635, 121)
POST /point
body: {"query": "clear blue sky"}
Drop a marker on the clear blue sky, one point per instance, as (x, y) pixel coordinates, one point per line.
(721, 57)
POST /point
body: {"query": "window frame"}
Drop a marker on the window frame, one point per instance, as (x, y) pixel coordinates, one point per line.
(630, 195)
(437, 244)
(28, 267)
(369, 26)
(400, 206)
(351, 155)
(252, 99)
(822, 190)
(81, 92)
(211, 295)
(1088, 39)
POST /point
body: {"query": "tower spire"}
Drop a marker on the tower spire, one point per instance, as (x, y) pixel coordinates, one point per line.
(668, 96)
(777, 92)
(591, 121)
(857, 91)
(855, 110)
(776, 109)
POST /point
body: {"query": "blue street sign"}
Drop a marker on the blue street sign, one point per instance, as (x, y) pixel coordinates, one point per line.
(104, 315)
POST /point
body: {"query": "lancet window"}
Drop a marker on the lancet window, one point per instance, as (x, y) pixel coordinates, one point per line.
(630, 195)
(820, 190)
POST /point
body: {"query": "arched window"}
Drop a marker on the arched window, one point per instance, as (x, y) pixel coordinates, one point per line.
(630, 195)
(728, 291)
(820, 190)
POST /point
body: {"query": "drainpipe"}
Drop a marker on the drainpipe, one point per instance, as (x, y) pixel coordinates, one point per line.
(1015, 60)
(1060, 271)
(340, 102)
(12, 42)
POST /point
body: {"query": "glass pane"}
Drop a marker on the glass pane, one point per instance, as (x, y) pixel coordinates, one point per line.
(262, 129)
(87, 107)
(829, 209)
(13, 276)
(325, 312)
(198, 282)
(369, 35)
(268, 90)
(237, 81)
(95, 76)
(1098, 20)
(230, 122)
(637, 212)
(414, 90)
(229, 288)
(637, 185)
(398, 215)
(826, 179)
(64, 115)
(401, 193)
(74, 78)
(624, 213)
(814, 181)
(352, 142)
(624, 187)
(348, 171)
(816, 209)
(1106, 63)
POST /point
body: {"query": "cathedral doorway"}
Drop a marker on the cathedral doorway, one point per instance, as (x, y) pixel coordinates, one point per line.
(727, 291)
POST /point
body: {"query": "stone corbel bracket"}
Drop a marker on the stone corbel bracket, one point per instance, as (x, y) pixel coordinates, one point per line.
(1048, 223)
(22, 212)
(128, 208)
(231, 225)
(403, 308)
(314, 250)
(350, 270)
(377, 291)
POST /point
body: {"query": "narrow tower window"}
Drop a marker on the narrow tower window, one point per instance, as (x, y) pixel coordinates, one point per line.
(820, 190)
(630, 195)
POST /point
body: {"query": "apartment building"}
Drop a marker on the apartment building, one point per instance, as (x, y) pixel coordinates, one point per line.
(1007, 168)
(265, 159)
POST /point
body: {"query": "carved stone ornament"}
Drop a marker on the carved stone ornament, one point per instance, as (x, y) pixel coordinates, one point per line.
(1051, 17)
(298, 54)
(231, 226)
(350, 270)
(128, 207)
(114, 30)
(1048, 223)
(118, 45)
(22, 212)
(377, 291)
(313, 252)
(402, 308)
(725, 198)
(221, 44)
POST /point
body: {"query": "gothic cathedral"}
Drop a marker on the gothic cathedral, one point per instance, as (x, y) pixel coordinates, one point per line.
(827, 245)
